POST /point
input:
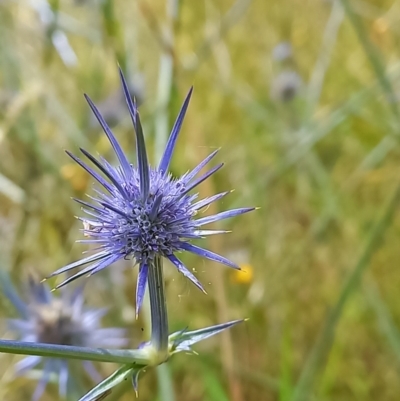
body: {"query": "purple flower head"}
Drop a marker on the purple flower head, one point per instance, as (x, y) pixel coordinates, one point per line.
(63, 321)
(143, 212)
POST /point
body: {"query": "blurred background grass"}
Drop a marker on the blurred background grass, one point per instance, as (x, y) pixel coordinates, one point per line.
(302, 97)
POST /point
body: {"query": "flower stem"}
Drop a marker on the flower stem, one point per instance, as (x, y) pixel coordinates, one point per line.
(139, 357)
(158, 309)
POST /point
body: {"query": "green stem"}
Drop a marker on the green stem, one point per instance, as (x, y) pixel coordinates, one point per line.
(165, 383)
(158, 309)
(139, 357)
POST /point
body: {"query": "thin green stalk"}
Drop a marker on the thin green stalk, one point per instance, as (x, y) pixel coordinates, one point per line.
(158, 309)
(235, 13)
(112, 27)
(314, 363)
(165, 383)
(375, 58)
(139, 357)
(329, 41)
(385, 320)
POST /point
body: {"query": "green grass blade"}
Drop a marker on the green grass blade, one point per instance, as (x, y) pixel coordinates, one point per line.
(285, 380)
(385, 320)
(374, 57)
(214, 390)
(323, 343)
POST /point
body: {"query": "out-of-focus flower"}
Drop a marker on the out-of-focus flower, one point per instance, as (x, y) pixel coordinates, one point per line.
(244, 275)
(64, 321)
(282, 51)
(285, 86)
(144, 212)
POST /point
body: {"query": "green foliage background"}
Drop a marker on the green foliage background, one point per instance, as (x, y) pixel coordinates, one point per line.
(321, 254)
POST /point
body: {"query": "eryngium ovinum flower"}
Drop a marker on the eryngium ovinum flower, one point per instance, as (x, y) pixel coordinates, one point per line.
(142, 211)
(59, 320)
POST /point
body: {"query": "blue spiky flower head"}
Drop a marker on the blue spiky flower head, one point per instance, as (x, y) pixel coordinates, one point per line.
(63, 320)
(143, 212)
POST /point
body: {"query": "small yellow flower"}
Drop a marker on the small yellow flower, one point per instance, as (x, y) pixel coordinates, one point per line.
(243, 276)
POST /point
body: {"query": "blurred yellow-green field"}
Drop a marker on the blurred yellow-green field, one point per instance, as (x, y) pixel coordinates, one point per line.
(302, 97)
